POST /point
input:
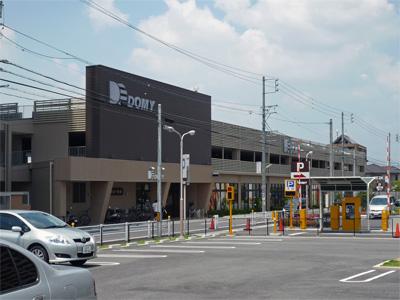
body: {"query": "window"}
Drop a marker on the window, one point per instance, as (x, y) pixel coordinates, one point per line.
(258, 156)
(315, 163)
(246, 155)
(7, 221)
(323, 164)
(228, 153)
(337, 166)
(216, 152)
(362, 169)
(284, 160)
(79, 192)
(350, 167)
(274, 159)
(16, 271)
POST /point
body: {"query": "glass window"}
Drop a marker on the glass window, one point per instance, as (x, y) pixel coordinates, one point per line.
(284, 160)
(42, 220)
(246, 155)
(8, 272)
(216, 152)
(361, 168)
(274, 159)
(258, 156)
(7, 221)
(16, 271)
(78, 192)
(228, 153)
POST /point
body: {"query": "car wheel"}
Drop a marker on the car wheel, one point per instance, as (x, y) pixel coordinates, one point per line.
(40, 252)
(78, 263)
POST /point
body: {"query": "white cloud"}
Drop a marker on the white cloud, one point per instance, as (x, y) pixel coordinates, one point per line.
(336, 50)
(100, 20)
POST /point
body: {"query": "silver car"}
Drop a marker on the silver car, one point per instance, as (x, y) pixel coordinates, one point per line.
(46, 236)
(24, 276)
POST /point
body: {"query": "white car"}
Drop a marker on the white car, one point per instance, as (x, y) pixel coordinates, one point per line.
(46, 236)
(25, 276)
(377, 204)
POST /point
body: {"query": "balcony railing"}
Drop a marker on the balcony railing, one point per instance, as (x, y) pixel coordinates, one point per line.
(77, 151)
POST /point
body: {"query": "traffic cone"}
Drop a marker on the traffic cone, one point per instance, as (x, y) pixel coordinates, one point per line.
(397, 233)
(247, 228)
(280, 224)
(212, 225)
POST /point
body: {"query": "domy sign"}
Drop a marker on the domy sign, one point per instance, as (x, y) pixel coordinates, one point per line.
(119, 95)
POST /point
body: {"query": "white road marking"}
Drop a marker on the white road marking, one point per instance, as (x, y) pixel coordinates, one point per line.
(102, 263)
(243, 240)
(365, 280)
(161, 250)
(380, 275)
(224, 243)
(357, 275)
(297, 233)
(130, 256)
(193, 247)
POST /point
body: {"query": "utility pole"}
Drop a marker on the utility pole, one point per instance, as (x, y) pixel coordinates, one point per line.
(331, 163)
(159, 171)
(342, 144)
(264, 141)
(354, 161)
(388, 169)
(265, 113)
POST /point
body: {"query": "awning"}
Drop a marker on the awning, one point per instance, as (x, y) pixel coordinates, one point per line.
(342, 183)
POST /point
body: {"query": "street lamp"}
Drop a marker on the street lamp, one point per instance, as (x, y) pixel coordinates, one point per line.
(181, 136)
(309, 153)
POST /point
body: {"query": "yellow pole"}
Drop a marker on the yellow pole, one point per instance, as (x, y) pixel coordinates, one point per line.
(291, 213)
(274, 218)
(230, 218)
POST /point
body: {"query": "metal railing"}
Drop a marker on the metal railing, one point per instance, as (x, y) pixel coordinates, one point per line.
(77, 151)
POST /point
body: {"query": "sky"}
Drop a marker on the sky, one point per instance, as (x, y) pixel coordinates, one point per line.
(329, 57)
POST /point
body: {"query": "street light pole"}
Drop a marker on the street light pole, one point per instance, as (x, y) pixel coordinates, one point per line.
(181, 136)
(309, 181)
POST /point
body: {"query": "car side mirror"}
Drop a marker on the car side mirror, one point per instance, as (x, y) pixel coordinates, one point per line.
(17, 229)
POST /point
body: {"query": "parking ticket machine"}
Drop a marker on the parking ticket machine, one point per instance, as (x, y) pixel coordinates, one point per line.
(351, 214)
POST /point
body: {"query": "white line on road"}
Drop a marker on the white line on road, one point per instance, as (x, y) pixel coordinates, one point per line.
(365, 280)
(130, 256)
(102, 263)
(297, 233)
(161, 250)
(379, 276)
(223, 243)
(357, 275)
(235, 240)
(193, 247)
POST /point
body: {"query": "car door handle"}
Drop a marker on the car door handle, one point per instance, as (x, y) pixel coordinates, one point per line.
(38, 297)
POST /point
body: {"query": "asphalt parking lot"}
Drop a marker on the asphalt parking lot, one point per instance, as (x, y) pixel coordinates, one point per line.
(256, 267)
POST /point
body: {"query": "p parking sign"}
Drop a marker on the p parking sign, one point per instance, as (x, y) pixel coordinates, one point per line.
(290, 188)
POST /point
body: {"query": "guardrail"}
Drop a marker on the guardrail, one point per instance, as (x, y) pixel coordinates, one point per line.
(126, 232)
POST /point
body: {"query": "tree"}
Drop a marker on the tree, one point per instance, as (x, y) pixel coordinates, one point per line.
(396, 186)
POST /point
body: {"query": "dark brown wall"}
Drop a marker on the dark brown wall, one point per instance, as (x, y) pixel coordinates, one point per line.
(119, 132)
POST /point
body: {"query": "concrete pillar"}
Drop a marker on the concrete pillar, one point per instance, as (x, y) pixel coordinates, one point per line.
(239, 195)
(101, 193)
(60, 198)
(8, 156)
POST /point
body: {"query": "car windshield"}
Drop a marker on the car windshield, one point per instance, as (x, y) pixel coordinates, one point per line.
(42, 221)
(378, 201)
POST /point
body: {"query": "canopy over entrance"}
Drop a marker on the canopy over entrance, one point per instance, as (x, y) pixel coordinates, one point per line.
(342, 183)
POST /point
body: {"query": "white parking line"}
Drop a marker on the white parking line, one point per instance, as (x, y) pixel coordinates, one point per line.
(243, 240)
(297, 233)
(102, 263)
(161, 250)
(348, 279)
(193, 247)
(131, 256)
(224, 243)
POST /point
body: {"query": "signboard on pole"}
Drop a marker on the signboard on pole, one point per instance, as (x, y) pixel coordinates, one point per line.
(299, 170)
(258, 167)
(290, 188)
(185, 167)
